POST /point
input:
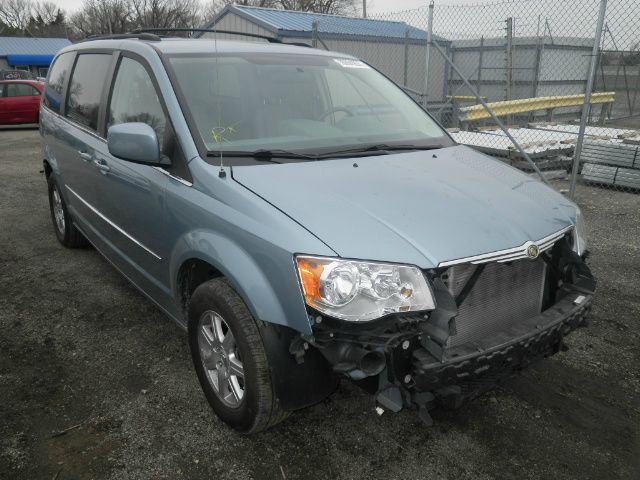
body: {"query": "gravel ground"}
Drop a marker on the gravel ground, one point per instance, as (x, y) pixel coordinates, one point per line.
(81, 351)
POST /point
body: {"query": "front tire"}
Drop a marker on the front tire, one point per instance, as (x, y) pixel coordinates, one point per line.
(66, 232)
(230, 359)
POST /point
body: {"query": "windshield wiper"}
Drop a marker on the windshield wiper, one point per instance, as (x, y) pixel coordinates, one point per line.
(263, 155)
(378, 149)
(266, 155)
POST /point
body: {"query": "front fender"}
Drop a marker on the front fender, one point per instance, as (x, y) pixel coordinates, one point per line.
(265, 278)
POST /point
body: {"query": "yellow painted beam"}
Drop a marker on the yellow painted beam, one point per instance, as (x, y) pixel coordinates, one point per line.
(526, 105)
(464, 98)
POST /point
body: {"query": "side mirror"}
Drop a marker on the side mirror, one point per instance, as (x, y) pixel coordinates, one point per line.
(134, 141)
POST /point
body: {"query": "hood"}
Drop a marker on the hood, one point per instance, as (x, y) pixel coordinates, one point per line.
(420, 208)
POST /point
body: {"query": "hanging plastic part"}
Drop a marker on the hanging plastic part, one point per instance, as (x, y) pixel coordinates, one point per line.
(424, 401)
(391, 399)
(423, 414)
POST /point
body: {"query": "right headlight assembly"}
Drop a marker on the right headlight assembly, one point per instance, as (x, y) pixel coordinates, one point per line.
(361, 291)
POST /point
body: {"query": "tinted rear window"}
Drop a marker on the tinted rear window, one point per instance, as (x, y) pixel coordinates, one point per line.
(85, 88)
(55, 82)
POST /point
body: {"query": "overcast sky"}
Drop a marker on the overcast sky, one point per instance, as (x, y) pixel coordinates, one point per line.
(373, 6)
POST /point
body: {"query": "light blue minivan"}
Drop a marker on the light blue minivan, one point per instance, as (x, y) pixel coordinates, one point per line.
(306, 221)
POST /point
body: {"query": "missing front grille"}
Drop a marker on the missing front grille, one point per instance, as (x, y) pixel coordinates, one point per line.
(503, 295)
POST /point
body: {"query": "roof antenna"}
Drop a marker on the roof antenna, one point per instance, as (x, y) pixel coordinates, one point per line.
(219, 131)
(221, 172)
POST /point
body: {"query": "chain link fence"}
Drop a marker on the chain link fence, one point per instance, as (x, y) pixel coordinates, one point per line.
(549, 86)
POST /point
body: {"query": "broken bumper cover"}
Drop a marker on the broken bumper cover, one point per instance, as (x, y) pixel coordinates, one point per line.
(472, 367)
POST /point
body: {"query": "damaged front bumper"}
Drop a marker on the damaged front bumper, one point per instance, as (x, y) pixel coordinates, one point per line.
(466, 372)
(410, 361)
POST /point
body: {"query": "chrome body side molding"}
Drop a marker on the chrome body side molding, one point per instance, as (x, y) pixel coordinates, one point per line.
(99, 214)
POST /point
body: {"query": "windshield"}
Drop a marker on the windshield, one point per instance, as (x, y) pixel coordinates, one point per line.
(311, 104)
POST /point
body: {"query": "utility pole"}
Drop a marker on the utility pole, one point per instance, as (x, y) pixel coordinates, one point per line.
(364, 8)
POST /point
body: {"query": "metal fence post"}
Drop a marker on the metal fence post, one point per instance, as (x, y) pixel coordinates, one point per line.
(428, 53)
(587, 99)
(314, 34)
(405, 77)
(480, 54)
(509, 60)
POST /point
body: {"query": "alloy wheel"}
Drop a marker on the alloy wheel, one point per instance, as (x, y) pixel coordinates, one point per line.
(221, 358)
(58, 211)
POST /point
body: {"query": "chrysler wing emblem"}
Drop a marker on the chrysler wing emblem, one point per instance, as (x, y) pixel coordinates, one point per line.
(533, 251)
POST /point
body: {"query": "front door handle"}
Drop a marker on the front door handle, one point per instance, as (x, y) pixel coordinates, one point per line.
(86, 156)
(103, 166)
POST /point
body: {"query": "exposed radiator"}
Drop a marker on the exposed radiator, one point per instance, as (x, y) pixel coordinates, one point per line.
(503, 295)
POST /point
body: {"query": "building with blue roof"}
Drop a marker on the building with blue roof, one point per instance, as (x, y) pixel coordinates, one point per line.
(395, 48)
(29, 54)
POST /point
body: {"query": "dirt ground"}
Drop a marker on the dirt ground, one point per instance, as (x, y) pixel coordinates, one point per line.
(82, 352)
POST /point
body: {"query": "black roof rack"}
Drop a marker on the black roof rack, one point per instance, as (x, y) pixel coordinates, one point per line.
(206, 30)
(227, 32)
(150, 35)
(123, 36)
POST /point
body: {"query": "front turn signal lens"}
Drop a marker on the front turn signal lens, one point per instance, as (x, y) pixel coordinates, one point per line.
(310, 273)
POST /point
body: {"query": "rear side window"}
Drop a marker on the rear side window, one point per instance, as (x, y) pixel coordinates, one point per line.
(21, 90)
(85, 88)
(55, 83)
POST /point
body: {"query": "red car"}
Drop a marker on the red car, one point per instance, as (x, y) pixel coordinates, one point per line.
(20, 101)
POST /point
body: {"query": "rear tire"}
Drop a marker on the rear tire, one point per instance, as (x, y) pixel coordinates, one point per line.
(66, 232)
(235, 378)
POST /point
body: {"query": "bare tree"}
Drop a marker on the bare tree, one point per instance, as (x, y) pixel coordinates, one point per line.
(16, 13)
(32, 18)
(48, 12)
(339, 7)
(120, 16)
(102, 17)
(166, 13)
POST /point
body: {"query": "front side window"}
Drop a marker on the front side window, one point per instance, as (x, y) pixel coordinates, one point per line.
(21, 90)
(134, 98)
(55, 81)
(311, 104)
(86, 87)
